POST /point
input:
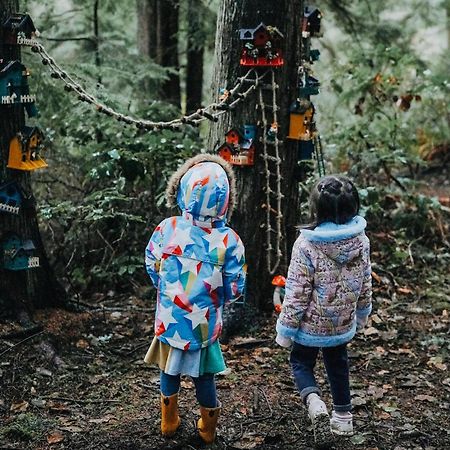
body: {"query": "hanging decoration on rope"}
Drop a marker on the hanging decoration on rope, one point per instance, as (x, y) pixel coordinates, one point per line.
(302, 126)
(261, 46)
(25, 150)
(18, 254)
(239, 148)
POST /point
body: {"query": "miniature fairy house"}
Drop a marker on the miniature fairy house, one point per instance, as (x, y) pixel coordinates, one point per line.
(19, 28)
(311, 20)
(14, 86)
(239, 149)
(308, 86)
(18, 254)
(25, 150)
(301, 123)
(10, 197)
(261, 46)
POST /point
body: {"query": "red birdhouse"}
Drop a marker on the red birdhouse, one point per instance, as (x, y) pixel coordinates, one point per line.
(233, 137)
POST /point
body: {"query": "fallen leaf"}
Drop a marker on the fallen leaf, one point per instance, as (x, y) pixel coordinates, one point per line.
(370, 331)
(19, 406)
(71, 429)
(358, 401)
(437, 362)
(82, 343)
(425, 398)
(55, 437)
(358, 439)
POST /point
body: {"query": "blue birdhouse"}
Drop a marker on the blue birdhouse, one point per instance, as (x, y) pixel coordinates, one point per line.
(250, 132)
(308, 86)
(18, 254)
(14, 87)
(10, 197)
(314, 55)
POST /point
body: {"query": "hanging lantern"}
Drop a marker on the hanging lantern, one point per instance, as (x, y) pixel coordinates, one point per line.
(18, 254)
(25, 150)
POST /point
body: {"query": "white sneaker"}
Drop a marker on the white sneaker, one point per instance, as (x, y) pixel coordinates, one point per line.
(320, 419)
(341, 423)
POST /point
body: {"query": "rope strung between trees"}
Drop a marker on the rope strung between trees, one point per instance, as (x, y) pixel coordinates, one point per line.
(210, 112)
(276, 249)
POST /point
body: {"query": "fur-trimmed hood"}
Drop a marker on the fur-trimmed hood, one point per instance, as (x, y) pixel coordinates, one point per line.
(194, 190)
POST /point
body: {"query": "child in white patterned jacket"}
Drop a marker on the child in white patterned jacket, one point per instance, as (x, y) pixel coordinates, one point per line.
(328, 297)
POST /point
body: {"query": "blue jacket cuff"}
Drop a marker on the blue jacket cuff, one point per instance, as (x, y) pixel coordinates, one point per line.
(364, 312)
(284, 331)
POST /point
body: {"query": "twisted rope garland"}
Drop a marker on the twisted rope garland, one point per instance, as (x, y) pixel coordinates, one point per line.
(205, 113)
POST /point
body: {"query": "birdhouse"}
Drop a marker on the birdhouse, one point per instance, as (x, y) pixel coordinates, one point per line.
(238, 150)
(301, 123)
(308, 86)
(14, 87)
(19, 29)
(261, 46)
(233, 137)
(25, 150)
(314, 55)
(311, 20)
(18, 254)
(10, 197)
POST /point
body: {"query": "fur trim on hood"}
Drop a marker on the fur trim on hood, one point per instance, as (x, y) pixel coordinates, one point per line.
(174, 181)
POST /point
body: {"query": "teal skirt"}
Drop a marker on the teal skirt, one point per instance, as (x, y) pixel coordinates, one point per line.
(174, 361)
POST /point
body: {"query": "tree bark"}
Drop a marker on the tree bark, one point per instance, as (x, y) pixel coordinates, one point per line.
(146, 27)
(195, 51)
(250, 216)
(22, 290)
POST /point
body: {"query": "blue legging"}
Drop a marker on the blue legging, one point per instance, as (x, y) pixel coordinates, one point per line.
(205, 388)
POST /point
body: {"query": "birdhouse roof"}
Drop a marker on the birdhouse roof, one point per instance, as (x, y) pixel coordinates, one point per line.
(225, 145)
(312, 12)
(28, 132)
(11, 65)
(19, 22)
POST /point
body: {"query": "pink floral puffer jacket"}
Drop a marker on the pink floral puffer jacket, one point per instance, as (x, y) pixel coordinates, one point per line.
(329, 285)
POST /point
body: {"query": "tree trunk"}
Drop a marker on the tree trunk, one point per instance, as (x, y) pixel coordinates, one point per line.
(22, 290)
(249, 220)
(195, 50)
(158, 39)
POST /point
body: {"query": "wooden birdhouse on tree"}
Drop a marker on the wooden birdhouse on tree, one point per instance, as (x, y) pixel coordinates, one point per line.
(301, 123)
(11, 197)
(18, 254)
(311, 21)
(25, 150)
(239, 149)
(261, 46)
(308, 85)
(14, 87)
(19, 29)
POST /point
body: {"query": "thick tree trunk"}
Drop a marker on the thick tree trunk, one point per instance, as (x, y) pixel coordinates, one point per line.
(146, 27)
(23, 290)
(195, 51)
(250, 218)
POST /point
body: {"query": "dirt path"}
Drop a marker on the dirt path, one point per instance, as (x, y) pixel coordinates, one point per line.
(104, 397)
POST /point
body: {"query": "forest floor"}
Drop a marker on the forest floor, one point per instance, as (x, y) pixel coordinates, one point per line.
(96, 392)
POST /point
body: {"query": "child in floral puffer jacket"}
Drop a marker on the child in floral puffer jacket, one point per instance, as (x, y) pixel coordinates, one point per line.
(328, 297)
(197, 264)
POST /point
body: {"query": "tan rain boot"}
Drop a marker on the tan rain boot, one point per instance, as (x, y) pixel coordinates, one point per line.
(170, 421)
(207, 423)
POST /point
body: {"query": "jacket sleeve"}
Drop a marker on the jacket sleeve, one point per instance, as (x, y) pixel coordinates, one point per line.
(298, 293)
(153, 253)
(364, 305)
(234, 270)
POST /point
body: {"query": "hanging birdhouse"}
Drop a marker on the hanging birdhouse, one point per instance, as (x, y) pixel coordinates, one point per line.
(25, 150)
(18, 254)
(237, 149)
(19, 29)
(301, 123)
(308, 86)
(261, 46)
(14, 87)
(10, 197)
(311, 20)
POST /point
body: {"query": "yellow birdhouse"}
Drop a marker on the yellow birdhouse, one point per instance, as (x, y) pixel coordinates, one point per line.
(301, 124)
(25, 149)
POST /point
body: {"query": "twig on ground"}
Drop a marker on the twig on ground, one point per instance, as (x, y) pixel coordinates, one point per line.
(21, 342)
(75, 400)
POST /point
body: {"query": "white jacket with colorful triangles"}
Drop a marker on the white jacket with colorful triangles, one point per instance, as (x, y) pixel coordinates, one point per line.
(195, 261)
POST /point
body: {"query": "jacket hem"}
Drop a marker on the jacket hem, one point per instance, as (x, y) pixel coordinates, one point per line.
(364, 312)
(311, 340)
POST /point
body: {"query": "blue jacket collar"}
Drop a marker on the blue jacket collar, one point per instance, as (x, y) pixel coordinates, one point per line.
(332, 232)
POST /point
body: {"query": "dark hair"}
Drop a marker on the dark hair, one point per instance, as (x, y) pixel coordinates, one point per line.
(333, 199)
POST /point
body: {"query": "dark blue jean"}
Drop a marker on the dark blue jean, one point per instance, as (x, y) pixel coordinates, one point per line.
(303, 359)
(205, 388)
